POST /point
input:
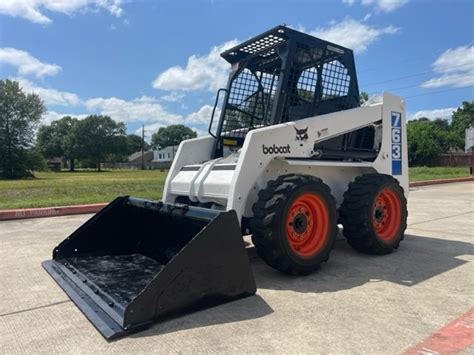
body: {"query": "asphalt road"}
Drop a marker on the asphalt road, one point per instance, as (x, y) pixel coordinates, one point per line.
(354, 304)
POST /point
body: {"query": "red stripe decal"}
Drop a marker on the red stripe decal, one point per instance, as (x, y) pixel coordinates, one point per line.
(50, 211)
(451, 339)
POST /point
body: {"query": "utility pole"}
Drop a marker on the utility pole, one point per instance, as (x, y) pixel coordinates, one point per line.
(143, 147)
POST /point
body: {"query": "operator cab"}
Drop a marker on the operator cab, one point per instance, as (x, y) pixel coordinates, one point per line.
(280, 76)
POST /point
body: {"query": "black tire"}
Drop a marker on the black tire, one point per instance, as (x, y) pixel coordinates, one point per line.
(371, 225)
(271, 220)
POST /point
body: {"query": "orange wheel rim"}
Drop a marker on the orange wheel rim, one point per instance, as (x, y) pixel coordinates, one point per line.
(386, 214)
(307, 224)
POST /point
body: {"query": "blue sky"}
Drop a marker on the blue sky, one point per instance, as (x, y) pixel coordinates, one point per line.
(157, 62)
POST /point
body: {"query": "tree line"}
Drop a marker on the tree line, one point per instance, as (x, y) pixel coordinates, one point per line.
(427, 139)
(96, 139)
(93, 140)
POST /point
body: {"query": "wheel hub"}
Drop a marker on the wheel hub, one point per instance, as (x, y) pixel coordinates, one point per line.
(300, 223)
(386, 214)
(307, 224)
(379, 214)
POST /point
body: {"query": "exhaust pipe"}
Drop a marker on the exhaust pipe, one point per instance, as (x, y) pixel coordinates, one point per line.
(137, 261)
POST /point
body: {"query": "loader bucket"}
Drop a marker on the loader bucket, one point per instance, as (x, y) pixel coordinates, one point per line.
(138, 260)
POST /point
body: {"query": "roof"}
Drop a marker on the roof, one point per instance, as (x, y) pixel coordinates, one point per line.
(265, 44)
(137, 155)
(171, 148)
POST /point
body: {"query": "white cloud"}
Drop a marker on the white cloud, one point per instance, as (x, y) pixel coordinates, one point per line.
(386, 5)
(455, 68)
(26, 64)
(149, 130)
(197, 121)
(201, 132)
(33, 10)
(210, 71)
(51, 116)
(352, 34)
(207, 72)
(381, 5)
(433, 114)
(49, 96)
(173, 96)
(144, 108)
(202, 116)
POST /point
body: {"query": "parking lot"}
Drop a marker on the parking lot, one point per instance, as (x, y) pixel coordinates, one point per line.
(354, 304)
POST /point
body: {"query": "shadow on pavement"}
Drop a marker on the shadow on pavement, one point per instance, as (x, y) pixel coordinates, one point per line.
(418, 259)
(244, 309)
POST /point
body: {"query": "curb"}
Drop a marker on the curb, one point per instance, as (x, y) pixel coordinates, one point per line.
(440, 181)
(96, 207)
(50, 211)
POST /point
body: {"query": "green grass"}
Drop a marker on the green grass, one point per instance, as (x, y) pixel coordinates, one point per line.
(65, 188)
(425, 173)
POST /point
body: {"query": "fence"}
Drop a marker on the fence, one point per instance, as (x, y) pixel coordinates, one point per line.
(149, 165)
(455, 159)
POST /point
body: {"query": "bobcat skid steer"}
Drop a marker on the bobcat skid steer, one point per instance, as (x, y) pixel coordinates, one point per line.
(292, 155)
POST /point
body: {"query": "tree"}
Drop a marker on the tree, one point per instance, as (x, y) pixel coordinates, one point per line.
(126, 145)
(134, 144)
(463, 118)
(427, 139)
(171, 135)
(363, 97)
(96, 137)
(423, 146)
(20, 115)
(56, 140)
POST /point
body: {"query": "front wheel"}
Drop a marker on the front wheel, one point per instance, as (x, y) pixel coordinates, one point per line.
(374, 214)
(295, 224)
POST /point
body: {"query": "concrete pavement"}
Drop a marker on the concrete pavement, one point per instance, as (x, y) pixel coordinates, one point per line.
(354, 304)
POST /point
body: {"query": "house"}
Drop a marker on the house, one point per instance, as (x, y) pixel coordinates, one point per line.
(55, 164)
(469, 140)
(165, 155)
(136, 158)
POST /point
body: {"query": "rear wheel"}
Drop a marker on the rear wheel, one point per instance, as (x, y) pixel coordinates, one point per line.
(294, 225)
(374, 214)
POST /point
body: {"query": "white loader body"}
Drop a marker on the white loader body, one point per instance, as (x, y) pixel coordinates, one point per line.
(233, 182)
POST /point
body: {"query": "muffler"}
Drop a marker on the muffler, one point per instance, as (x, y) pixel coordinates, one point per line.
(137, 261)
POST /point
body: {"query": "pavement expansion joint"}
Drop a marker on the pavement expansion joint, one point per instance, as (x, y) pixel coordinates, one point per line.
(34, 308)
(437, 219)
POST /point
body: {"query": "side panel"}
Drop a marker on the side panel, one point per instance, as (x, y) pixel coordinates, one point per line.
(296, 140)
(288, 140)
(191, 151)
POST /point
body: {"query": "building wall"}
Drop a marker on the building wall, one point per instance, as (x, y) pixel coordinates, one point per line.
(165, 155)
(469, 139)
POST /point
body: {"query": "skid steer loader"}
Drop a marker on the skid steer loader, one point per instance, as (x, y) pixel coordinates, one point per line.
(292, 155)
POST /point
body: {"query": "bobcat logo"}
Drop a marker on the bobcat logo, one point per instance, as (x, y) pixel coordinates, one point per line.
(301, 134)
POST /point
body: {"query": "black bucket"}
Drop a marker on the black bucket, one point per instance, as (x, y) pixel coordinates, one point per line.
(138, 260)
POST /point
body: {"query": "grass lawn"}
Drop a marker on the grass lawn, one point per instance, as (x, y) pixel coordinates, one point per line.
(424, 173)
(65, 188)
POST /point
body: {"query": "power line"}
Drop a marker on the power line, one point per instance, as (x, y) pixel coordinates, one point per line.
(415, 75)
(406, 60)
(410, 86)
(438, 92)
